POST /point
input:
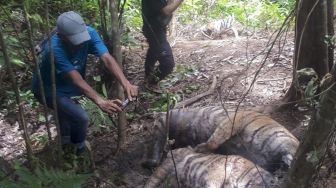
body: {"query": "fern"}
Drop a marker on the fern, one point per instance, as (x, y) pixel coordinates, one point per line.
(97, 117)
(43, 177)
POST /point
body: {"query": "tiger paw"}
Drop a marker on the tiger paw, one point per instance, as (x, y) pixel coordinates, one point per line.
(202, 148)
(150, 164)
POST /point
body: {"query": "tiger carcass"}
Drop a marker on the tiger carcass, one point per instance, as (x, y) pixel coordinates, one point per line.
(253, 135)
(196, 170)
(217, 28)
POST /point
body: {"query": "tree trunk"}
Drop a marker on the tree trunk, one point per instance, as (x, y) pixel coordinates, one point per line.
(118, 56)
(311, 51)
(312, 150)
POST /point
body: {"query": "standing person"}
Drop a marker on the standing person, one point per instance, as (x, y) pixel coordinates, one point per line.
(71, 44)
(156, 15)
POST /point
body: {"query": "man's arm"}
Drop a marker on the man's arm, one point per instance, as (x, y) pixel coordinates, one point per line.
(111, 64)
(108, 106)
(171, 7)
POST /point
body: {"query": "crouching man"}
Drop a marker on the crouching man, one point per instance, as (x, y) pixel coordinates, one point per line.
(71, 44)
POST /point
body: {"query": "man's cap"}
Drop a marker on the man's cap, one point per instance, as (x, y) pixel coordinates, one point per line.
(72, 26)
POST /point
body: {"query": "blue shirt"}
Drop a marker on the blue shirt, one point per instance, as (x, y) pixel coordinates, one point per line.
(66, 61)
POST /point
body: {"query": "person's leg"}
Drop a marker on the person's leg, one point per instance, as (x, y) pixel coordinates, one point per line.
(62, 117)
(77, 118)
(151, 58)
(166, 60)
(152, 53)
(65, 125)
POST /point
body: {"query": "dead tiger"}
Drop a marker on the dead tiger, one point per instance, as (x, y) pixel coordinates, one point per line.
(255, 136)
(196, 170)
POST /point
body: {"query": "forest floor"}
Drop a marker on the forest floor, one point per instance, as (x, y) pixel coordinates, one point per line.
(234, 62)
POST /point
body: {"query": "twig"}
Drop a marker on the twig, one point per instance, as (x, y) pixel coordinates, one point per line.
(207, 35)
(167, 137)
(273, 79)
(198, 97)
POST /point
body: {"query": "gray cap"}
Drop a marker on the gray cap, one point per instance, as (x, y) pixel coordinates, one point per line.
(72, 26)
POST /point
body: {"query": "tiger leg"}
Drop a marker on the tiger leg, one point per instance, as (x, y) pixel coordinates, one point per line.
(160, 173)
(155, 150)
(222, 133)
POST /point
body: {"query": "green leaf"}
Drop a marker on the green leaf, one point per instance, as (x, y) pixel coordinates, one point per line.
(12, 40)
(97, 78)
(17, 62)
(312, 157)
(311, 88)
(36, 18)
(41, 118)
(104, 90)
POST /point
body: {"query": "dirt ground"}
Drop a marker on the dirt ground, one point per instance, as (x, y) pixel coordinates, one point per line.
(235, 62)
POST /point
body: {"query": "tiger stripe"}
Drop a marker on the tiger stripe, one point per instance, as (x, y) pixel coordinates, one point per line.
(195, 170)
(257, 134)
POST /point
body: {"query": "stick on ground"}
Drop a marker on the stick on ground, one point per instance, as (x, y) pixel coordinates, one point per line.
(192, 100)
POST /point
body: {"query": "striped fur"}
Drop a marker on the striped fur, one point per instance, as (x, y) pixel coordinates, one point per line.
(196, 170)
(252, 135)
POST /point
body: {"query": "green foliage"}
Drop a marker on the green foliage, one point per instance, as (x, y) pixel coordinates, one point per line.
(131, 22)
(132, 15)
(43, 177)
(314, 156)
(87, 8)
(251, 13)
(190, 89)
(309, 83)
(98, 118)
(39, 140)
(311, 88)
(14, 50)
(191, 10)
(26, 96)
(180, 73)
(160, 105)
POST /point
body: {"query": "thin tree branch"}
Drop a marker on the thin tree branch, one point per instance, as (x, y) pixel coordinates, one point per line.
(31, 45)
(53, 83)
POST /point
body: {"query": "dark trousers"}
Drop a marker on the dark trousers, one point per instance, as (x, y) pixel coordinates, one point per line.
(73, 120)
(159, 50)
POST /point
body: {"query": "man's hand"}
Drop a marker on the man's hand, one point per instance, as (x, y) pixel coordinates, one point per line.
(113, 67)
(110, 106)
(131, 91)
(171, 6)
